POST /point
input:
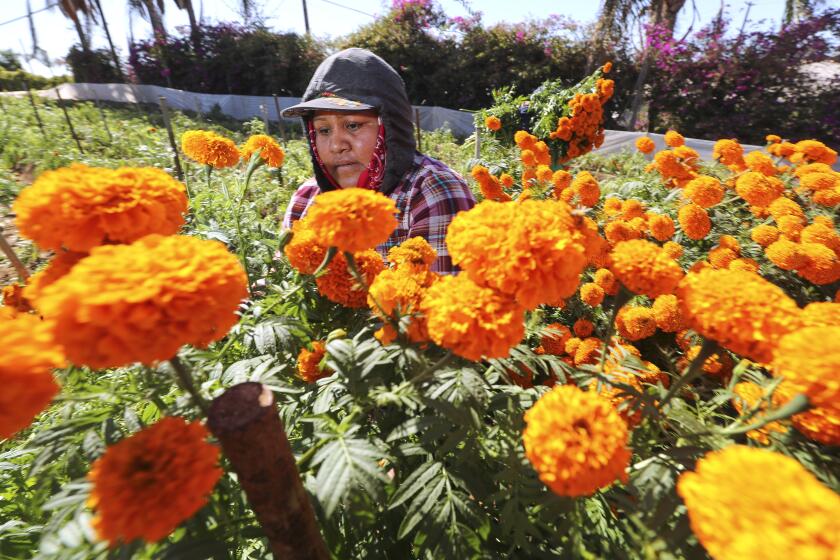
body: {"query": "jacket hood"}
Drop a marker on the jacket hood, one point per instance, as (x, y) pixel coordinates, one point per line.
(359, 75)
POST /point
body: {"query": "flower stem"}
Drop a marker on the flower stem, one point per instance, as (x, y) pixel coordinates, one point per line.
(354, 271)
(622, 297)
(185, 381)
(6, 247)
(694, 370)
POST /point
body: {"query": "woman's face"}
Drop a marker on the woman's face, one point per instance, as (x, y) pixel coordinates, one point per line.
(345, 142)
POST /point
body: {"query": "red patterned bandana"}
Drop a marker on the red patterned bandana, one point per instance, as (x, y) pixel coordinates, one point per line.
(371, 177)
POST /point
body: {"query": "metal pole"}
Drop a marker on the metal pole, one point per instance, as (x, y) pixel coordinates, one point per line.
(280, 124)
(164, 110)
(102, 114)
(69, 122)
(305, 17)
(35, 110)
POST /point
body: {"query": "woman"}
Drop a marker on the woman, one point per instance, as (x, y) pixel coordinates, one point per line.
(358, 122)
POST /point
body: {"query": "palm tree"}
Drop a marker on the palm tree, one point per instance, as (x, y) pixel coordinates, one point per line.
(195, 30)
(71, 9)
(151, 10)
(796, 10)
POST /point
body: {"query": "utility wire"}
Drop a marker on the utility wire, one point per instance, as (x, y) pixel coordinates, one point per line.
(348, 8)
(45, 8)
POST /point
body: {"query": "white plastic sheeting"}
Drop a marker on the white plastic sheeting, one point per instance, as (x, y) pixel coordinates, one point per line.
(243, 107)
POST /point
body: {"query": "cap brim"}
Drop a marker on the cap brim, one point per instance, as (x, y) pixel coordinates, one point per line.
(325, 104)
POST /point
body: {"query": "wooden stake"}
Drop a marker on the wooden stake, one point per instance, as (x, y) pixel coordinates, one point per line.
(477, 141)
(417, 129)
(6, 247)
(69, 122)
(280, 124)
(264, 113)
(245, 421)
(104, 120)
(35, 110)
(179, 172)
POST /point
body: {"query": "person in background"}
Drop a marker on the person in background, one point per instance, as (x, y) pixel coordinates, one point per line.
(358, 121)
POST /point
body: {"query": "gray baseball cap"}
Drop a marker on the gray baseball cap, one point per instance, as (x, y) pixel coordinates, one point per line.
(326, 102)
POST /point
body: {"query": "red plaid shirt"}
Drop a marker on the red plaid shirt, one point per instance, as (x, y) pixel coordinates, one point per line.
(427, 198)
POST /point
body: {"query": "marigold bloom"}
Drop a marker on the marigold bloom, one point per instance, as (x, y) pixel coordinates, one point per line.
(29, 355)
(560, 179)
(81, 207)
(661, 227)
(758, 189)
(644, 268)
(588, 351)
(816, 374)
(209, 148)
(645, 145)
(748, 396)
(761, 163)
(309, 362)
(667, 313)
(13, 299)
(816, 423)
(591, 294)
(745, 264)
(415, 251)
(620, 230)
(623, 402)
(400, 290)
(773, 139)
(524, 140)
(555, 338)
(740, 310)
(572, 345)
(635, 323)
(583, 328)
(721, 257)
(529, 250)
(56, 269)
(828, 197)
(586, 188)
(612, 206)
(764, 234)
(506, 180)
(470, 320)
(270, 150)
(790, 227)
(821, 314)
(489, 185)
(674, 139)
(339, 285)
(818, 182)
(352, 219)
(806, 168)
(813, 151)
(719, 364)
(673, 249)
(704, 191)
(730, 153)
(493, 123)
(607, 67)
(822, 264)
(694, 221)
(786, 254)
(576, 441)
(141, 302)
(782, 207)
(150, 482)
(734, 516)
(782, 149)
(304, 251)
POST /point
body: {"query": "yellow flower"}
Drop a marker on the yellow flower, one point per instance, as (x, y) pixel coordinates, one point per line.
(270, 150)
(764, 234)
(308, 362)
(761, 163)
(415, 251)
(471, 320)
(740, 310)
(576, 441)
(209, 148)
(352, 219)
(81, 207)
(29, 355)
(674, 139)
(783, 513)
(141, 302)
(591, 294)
(150, 482)
(821, 314)
(644, 268)
(816, 374)
(667, 313)
(758, 189)
(635, 323)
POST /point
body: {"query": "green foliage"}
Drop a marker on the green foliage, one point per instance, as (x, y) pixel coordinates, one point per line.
(18, 79)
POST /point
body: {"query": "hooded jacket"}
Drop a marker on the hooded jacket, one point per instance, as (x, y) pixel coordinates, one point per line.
(359, 75)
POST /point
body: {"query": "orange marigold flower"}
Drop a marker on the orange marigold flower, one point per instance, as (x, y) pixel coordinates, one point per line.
(529, 250)
(506, 180)
(270, 150)
(645, 145)
(576, 441)
(583, 328)
(415, 251)
(399, 291)
(674, 139)
(759, 189)
(821, 314)
(588, 351)
(591, 294)
(644, 268)
(721, 257)
(729, 242)
(661, 227)
(150, 482)
(782, 149)
(730, 153)
(786, 254)
(782, 207)
(572, 345)
(632, 208)
(607, 67)
(749, 396)
(352, 219)
(635, 323)
(544, 173)
(667, 313)
(764, 234)
(309, 362)
(338, 284)
(773, 139)
(620, 230)
(813, 151)
(816, 374)
(304, 251)
(740, 310)
(694, 221)
(828, 197)
(490, 186)
(528, 158)
(14, 301)
(561, 179)
(820, 181)
(704, 191)
(81, 207)
(717, 365)
(822, 264)
(493, 123)
(29, 355)
(142, 302)
(824, 220)
(760, 163)
(524, 140)
(470, 320)
(57, 268)
(807, 168)
(555, 338)
(748, 265)
(606, 279)
(734, 516)
(816, 423)
(673, 249)
(790, 227)
(209, 148)
(586, 188)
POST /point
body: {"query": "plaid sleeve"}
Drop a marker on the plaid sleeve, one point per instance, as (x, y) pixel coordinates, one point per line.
(300, 202)
(440, 197)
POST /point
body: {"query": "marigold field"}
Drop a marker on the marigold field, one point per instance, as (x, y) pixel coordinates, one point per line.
(640, 357)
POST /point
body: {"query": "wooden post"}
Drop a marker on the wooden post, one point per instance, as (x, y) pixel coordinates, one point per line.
(104, 120)
(7, 250)
(280, 124)
(69, 122)
(35, 110)
(264, 113)
(179, 172)
(417, 129)
(477, 141)
(245, 421)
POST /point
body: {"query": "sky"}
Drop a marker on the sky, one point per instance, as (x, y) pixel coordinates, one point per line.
(327, 18)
